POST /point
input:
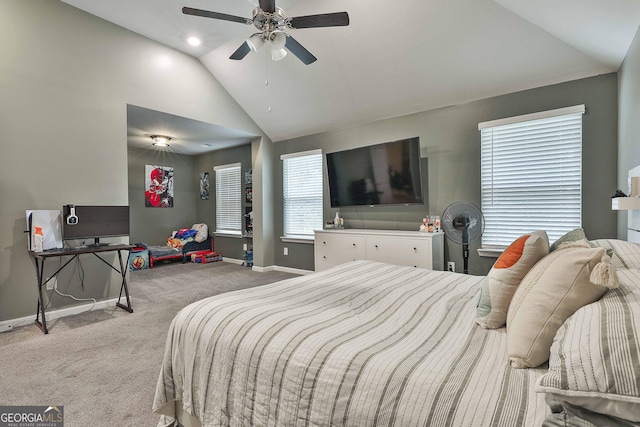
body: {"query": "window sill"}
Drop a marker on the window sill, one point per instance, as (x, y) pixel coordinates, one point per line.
(298, 239)
(234, 235)
(490, 252)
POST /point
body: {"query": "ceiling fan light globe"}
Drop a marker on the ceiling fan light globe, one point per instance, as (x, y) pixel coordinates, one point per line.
(255, 42)
(277, 40)
(278, 54)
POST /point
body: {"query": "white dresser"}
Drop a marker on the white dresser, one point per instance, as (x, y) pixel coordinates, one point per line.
(410, 248)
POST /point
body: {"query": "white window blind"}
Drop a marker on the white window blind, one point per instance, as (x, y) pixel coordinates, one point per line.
(228, 199)
(302, 193)
(531, 175)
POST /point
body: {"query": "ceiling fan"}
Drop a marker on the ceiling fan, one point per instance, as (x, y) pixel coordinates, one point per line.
(271, 21)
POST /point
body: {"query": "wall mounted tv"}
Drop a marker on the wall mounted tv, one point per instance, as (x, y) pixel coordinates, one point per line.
(95, 222)
(381, 174)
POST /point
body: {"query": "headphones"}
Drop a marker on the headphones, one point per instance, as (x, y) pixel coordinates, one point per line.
(72, 218)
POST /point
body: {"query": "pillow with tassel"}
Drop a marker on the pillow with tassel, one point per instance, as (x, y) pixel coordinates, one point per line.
(559, 284)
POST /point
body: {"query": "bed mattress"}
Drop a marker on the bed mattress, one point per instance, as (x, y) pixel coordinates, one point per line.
(360, 344)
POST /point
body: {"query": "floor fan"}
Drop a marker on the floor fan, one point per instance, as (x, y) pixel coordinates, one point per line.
(463, 223)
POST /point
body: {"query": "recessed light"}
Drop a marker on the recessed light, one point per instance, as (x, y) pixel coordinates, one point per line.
(194, 41)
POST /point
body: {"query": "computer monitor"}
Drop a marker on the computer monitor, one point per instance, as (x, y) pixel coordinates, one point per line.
(94, 222)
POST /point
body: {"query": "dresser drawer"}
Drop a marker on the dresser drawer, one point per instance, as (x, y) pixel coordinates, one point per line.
(400, 251)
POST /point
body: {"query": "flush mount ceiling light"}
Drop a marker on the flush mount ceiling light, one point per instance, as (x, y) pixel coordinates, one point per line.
(193, 41)
(160, 140)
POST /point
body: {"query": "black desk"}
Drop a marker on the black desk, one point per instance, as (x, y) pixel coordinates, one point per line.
(41, 257)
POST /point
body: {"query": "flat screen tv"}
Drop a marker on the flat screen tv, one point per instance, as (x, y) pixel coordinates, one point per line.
(381, 174)
(95, 222)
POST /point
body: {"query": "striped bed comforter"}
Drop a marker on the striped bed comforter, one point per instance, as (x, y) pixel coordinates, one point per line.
(361, 344)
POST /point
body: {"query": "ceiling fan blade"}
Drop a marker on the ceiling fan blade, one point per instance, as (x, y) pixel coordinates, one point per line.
(337, 19)
(215, 15)
(268, 6)
(298, 50)
(241, 52)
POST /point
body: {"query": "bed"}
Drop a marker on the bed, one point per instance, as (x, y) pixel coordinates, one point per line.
(372, 344)
(181, 244)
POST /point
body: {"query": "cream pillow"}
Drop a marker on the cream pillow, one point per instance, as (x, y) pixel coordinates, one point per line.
(505, 276)
(202, 232)
(557, 286)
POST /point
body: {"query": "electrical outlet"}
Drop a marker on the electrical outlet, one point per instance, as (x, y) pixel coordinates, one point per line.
(286, 251)
(451, 266)
(51, 284)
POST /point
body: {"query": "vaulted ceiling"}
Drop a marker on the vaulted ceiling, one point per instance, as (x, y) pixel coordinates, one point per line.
(394, 58)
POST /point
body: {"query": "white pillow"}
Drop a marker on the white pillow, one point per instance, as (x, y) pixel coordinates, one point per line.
(202, 232)
(623, 254)
(594, 356)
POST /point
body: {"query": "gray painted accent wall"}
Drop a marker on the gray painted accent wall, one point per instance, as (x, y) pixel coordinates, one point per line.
(230, 247)
(629, 124)
(450, 139)
(154, 225)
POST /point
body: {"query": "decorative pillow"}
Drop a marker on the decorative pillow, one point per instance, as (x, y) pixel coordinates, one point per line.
(571, 236)
(505, 276)
(623, 254)
(558, 285)
(202, 232)
(594, 356)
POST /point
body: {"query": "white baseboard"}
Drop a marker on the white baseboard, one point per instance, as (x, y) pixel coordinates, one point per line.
(293, 270)
(258, 269)
(7, 325)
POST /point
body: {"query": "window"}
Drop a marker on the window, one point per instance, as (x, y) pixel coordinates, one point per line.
(531, 175)
(228, 199)
(302, 193)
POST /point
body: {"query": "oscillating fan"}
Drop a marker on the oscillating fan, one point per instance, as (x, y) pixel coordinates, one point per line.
(463, 223)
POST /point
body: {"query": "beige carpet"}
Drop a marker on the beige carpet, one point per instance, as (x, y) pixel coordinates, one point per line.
(102, 366)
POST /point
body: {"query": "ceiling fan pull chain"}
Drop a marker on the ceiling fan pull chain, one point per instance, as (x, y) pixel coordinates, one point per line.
(266, 81)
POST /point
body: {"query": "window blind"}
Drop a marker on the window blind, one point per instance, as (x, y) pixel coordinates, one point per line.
(302, 193)
(228, 199)
(531, 175)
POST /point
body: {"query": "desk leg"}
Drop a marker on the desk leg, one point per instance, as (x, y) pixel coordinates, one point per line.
(40, 310)
(124, 286)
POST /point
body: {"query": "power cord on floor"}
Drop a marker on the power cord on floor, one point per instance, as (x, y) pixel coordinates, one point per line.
(93, 300)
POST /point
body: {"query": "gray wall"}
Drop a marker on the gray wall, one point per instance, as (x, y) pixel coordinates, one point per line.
(230, 247)
(66, 78)
(450, 140)
(629, 144)
(154, 225)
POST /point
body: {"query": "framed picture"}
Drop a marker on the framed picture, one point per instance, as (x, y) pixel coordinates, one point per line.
(158, 186)
(248, 178)
(248, 192)
(204, 185)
